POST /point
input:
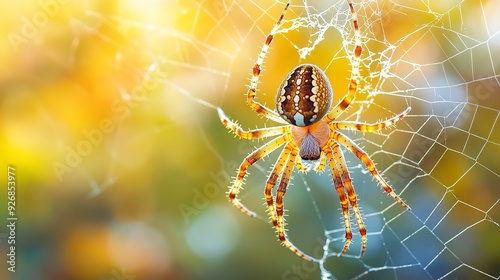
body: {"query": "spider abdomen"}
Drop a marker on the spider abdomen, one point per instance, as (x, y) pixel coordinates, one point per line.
(304, 96)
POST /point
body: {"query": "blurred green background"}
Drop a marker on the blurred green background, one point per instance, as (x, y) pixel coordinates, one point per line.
(121, 163)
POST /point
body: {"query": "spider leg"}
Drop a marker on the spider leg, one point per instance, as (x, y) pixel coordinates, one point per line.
(322, 162)
(251, 134)
(285, 179)
(351, 194)
(365, 127)
(353, 84)
(271, 181)
(261, 152)
(339, 187)
(363, 156)
(301, 167)
(255, 105)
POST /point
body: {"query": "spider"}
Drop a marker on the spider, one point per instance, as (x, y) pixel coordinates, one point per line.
(311, 132)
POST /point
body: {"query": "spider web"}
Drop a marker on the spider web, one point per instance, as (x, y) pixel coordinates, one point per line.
(440, 59)
(172, 64)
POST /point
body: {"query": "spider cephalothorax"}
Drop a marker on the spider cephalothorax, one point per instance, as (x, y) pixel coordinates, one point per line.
(311, 131)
